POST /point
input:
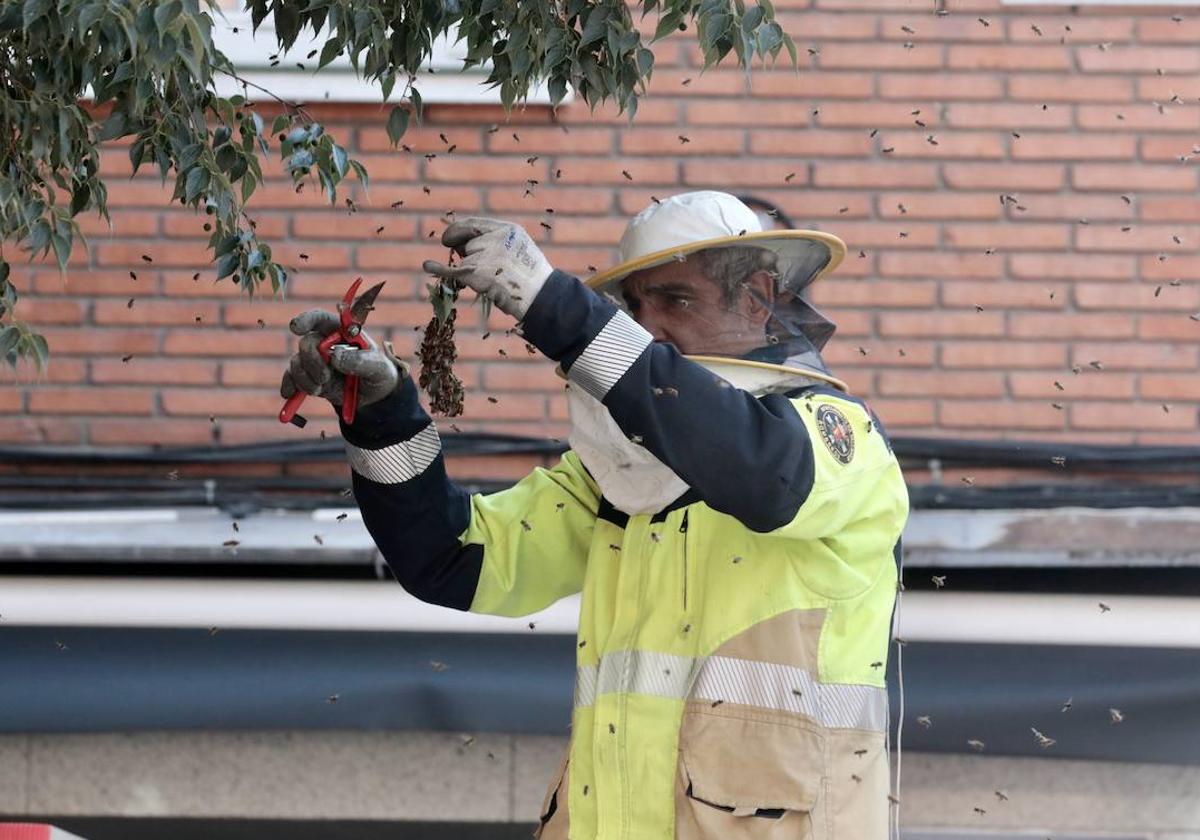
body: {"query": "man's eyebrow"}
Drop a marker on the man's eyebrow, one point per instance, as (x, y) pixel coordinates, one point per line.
(668, 286)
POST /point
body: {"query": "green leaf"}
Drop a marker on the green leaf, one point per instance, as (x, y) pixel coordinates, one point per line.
(790, 45)
(770, 38)
(165, 14)
(227, 264)
(258, 12)
(360, 171)
(328, 188)
(340, 160)
(418, 103)
(278, 276)
(645, 60)
(8, 298)
(301, 158)
(62, 250)
(227, 244)
(280, 123)
(595, 27)
(91, 13)
(667, 24)
(330, 51)
(123, 73)
(558, 89)
(397, 124)
(287, 23)
(39, 237)
(442, 304)
(226, 157)
(193, 56)
(113, 127)
(239, 168)
(80, 197)
(33, 10)
(197, 182)
(249, 185)
(135, 154)
(8, 340)
(41, 352)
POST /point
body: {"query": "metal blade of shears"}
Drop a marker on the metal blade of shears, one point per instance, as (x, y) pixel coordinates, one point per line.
(363, 305)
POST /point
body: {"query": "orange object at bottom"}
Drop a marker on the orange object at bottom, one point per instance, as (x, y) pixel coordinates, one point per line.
(34, 831)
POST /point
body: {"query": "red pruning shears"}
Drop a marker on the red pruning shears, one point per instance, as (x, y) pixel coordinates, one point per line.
(352, 314)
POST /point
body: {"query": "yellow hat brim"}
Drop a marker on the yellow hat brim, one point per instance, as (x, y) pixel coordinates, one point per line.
(837, 252)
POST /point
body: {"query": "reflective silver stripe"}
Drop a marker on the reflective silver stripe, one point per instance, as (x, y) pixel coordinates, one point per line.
(645, 672)
(585, 685)
(399, 462)
(790, 689)
(762, 684)
(607, 356)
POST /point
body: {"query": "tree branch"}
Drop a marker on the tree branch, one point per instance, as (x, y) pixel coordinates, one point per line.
(299, 109)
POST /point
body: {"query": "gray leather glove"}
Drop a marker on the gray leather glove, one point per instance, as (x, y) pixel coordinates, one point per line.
(501, 262)
(378, 370)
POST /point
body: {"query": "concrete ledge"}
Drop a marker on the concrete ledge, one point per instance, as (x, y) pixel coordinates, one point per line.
(294, 775)
(410, 776)
(1046, 795)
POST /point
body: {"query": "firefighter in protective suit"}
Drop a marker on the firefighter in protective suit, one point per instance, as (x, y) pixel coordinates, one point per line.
(731, 515)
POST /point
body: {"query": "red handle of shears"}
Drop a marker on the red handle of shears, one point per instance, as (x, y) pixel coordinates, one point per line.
(291, 406)
(349, 387)
(348, 333)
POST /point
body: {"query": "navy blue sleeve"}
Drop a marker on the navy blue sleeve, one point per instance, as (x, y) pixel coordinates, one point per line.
(746, 457)
(412, 510)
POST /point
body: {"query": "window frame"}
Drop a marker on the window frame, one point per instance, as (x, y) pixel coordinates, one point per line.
(442, 80)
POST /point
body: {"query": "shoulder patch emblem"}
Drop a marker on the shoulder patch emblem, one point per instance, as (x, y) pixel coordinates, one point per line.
(836, 432)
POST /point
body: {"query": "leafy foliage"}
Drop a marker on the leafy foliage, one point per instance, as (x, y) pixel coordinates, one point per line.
(148, 67)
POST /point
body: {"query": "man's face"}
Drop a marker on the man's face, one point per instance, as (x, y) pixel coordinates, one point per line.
(677, 303)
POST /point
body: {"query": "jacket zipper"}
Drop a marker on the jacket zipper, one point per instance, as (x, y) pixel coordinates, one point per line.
(683, 526)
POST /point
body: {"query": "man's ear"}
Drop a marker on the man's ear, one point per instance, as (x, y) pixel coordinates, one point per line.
(757, 288)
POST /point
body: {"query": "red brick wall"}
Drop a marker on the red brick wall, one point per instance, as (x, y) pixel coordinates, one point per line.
(967, 314)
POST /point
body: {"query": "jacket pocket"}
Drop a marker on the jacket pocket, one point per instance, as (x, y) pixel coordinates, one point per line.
(748, 776)
(552, 821)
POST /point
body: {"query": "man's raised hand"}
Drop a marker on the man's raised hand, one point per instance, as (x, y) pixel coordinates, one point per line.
(500, 262)
(378, 372)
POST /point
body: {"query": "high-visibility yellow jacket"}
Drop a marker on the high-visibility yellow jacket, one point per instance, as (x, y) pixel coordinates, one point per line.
(732, 647)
